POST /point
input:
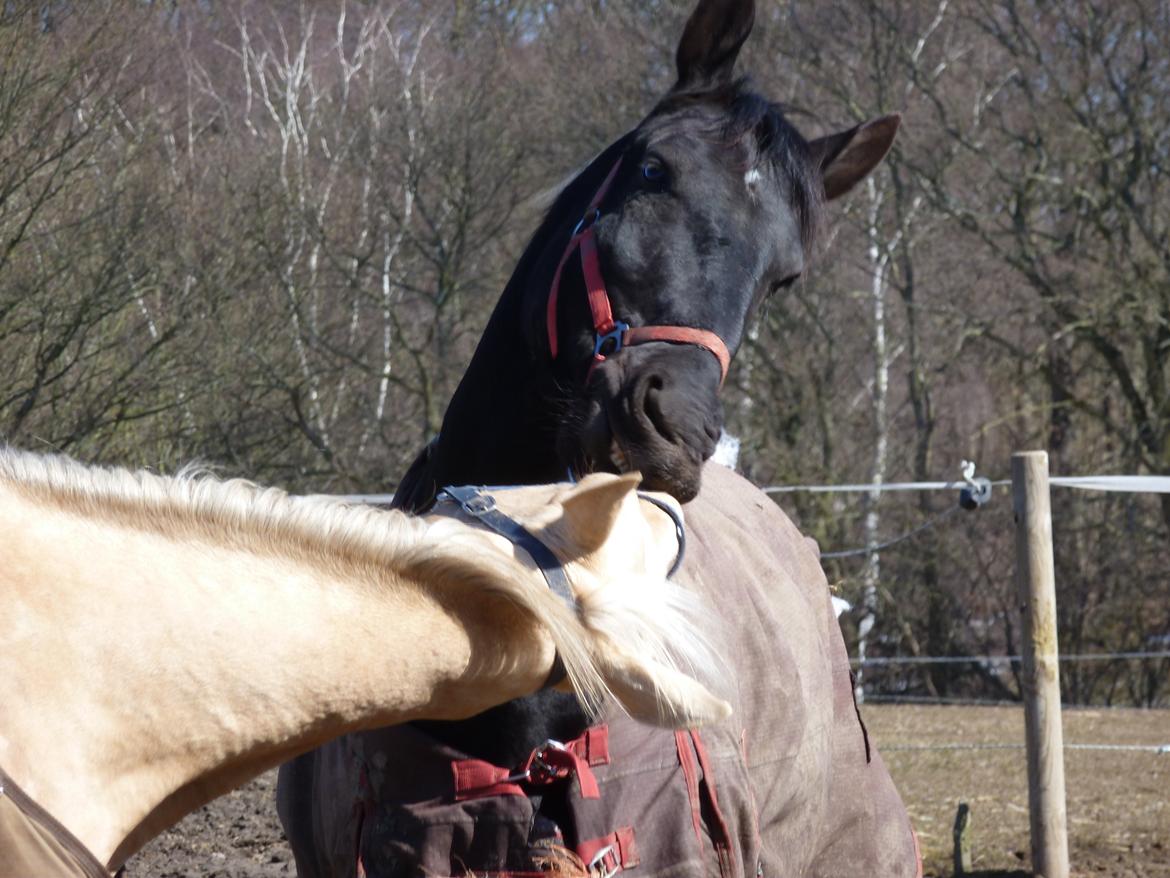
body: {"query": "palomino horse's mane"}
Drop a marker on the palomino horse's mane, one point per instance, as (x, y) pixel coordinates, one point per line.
(358, 542)
(235, 513)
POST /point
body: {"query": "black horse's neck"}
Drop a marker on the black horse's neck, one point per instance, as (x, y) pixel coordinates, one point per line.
(499, 429)
(500, 425)
(492, 434)
(495, 430)
(497, 426)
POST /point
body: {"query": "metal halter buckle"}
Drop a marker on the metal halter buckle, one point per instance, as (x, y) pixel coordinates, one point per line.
(586, 222)
(615, 335)
(478, 505)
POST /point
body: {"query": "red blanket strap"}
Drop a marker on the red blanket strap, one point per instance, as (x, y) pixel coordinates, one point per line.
(548, 763)
(691, 777)
(476, 779)
(592, 745)
(723, 846)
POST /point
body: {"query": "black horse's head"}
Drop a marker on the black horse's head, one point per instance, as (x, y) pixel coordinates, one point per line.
(686, 223)
(610, 343)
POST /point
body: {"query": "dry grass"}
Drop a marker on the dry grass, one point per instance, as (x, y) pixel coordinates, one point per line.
(1119, 818)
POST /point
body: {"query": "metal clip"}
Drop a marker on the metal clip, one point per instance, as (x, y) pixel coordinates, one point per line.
(586, 222)
(599, 861)
(977, 491)
(615, 335)
(480, 504)
(540, 763)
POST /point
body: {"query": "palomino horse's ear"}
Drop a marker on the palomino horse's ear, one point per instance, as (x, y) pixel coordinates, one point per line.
(711, 42)
(592, 507)
(845, 158)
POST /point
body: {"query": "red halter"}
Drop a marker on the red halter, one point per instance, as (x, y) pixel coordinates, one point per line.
(613, 335)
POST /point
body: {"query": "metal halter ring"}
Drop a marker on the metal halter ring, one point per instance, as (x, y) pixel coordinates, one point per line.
(616, 335)
(586, 222)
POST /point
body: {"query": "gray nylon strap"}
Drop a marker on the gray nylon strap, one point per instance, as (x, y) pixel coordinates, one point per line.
(476, 502)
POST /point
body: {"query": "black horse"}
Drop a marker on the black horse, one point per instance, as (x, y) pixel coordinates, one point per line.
(712, 205)
(610, 343)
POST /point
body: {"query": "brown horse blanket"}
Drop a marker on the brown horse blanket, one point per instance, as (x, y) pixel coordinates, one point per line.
(34, 845)
(789, 786)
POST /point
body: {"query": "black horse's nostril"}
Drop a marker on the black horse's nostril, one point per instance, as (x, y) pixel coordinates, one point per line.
(652, 399)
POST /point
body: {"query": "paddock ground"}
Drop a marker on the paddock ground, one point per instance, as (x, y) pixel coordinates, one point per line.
(1119, 802)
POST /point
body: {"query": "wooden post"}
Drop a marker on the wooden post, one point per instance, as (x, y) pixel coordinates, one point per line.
(1037, 590)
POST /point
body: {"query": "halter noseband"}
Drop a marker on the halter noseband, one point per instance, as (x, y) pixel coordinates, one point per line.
(610, 335)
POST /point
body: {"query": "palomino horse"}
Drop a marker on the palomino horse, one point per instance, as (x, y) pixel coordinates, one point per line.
(166, 639)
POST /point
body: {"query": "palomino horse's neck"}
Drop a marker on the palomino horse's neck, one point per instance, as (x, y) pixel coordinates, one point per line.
(165, 640)
(237, 661)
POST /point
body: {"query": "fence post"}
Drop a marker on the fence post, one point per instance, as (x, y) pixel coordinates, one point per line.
(1037, 590)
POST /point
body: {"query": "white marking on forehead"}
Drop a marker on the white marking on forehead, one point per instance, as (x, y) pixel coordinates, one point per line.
(752, 177)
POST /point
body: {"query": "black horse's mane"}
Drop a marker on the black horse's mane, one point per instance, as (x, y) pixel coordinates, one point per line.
(571, 200)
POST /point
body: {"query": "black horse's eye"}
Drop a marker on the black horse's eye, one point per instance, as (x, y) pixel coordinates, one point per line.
(653, 170)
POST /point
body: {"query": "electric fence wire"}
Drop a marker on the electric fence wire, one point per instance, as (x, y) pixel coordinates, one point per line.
(1162, 749)
(869, 550)
(982, 489)
(1004, 659)
(1125, 484)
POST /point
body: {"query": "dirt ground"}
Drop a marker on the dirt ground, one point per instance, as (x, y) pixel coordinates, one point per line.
(1119, 816)
(1118, 811)
(236, 836)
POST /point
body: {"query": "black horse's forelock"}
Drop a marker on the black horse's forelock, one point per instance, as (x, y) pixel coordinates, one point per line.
(744, 117)
(738, 116)
(782, 146)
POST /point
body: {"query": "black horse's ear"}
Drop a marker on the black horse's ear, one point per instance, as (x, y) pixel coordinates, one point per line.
(711, 42)
(845, 158)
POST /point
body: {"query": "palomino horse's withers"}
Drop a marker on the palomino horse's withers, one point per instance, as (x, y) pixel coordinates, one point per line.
(164, 640)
